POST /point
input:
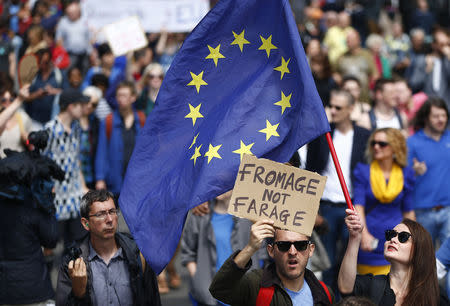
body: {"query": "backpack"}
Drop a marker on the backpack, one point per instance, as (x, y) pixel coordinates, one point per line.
(265, 295)
(109, 123)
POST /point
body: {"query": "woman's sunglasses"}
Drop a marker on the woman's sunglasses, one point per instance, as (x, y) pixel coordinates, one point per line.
(284, 246)
(382, 144)
(152, 76)
(402, 236)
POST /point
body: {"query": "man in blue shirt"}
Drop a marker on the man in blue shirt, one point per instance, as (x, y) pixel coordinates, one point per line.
(429, 155)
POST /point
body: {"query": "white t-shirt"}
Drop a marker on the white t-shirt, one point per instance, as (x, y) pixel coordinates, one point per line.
(343, 144)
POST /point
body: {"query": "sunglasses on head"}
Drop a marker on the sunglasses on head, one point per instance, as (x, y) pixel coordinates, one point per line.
(402, 236)
(382, 144)
(284, 246)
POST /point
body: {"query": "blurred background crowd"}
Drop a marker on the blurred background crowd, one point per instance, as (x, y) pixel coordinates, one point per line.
(377, 64)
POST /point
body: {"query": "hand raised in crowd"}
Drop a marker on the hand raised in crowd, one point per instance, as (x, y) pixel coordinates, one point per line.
(419, 167)
(24, 92)
(100, 185)
(78, 275)
(261, 230)
(354, 224)
(201, 210)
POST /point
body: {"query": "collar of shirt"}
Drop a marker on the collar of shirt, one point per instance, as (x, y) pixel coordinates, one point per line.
(93, 254)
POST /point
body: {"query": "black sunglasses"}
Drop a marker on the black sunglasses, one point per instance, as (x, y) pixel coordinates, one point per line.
(402, 236)
(382, 144)
(3, 100)
(284, 246)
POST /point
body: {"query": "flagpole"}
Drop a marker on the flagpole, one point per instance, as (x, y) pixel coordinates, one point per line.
(339, 171)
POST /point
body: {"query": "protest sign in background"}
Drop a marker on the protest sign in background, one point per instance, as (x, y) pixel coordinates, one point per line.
(125, 35)
(269, 190)
(154, 15)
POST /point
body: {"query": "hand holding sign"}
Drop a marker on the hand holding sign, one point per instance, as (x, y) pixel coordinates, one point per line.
(286, 195)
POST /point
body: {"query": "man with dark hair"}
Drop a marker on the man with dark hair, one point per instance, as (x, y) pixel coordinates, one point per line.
(429, 155)
(431, 73)
(384, 112)
(111, 270)
(350, 142)
(286, 281)
(117, 137)
(44, 89)
(64, 148)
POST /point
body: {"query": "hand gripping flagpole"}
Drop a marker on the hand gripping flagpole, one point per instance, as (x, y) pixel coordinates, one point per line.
(339, 171)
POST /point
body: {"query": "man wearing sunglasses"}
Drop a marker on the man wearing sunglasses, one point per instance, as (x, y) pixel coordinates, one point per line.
(110, 270)
(285, 281)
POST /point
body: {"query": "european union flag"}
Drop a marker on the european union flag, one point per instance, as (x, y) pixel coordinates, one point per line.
(239, 85)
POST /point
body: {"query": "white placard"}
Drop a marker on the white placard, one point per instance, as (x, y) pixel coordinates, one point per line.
(154, 15)
(125, 35)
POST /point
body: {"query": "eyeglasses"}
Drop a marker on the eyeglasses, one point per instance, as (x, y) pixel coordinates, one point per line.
(382, 144)
(338, 108)
(284, 246)
(102, 214)
(152, 76)
(402, 236)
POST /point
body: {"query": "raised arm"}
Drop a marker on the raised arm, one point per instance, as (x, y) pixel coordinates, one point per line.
(347, 272)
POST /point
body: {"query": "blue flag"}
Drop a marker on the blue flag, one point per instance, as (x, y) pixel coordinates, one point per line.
(239, 85)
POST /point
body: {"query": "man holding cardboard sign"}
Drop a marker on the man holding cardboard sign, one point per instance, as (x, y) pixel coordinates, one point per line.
(274, 195)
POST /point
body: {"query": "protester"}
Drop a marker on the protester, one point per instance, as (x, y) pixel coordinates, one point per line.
(407, 103)
(90, 125)
(64, 148)
(44, 90)
(109, 268)
(384, 113)
(150, 84)
(286, 281)
(207, 242)
(116, 140)
(430, 158)
(14, 132)
(360, 109)
(382, 195)
(350, 142)
(412, 280)
(431, 73)
(321, 71)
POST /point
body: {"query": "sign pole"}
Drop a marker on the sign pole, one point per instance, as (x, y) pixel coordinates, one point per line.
(339, 171)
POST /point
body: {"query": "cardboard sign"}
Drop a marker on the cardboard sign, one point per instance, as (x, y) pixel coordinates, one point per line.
(269, 190)
(125, 35)
(28, 68)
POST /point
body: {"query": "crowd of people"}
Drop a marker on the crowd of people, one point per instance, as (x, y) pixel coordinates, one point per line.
(382, 70)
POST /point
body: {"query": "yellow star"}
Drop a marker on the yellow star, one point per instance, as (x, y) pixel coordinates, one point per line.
(270, 130)
(283, 68)
(285, 102)
(214, 54)
(197, 154)
(213, 152)
(197, 81)
(194, 113)
(244, 149)
(194, 141)
(267, 45)
(240, 40)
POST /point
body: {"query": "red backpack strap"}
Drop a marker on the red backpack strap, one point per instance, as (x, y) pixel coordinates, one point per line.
(326, 291)
(265, 295)
(141, 116)
(108, 123)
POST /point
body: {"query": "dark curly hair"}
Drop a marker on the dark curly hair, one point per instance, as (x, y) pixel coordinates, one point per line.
(423, 113)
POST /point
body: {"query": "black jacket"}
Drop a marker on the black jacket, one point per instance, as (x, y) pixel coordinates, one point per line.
(318, 151)
(24, 277)
(143, 284)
